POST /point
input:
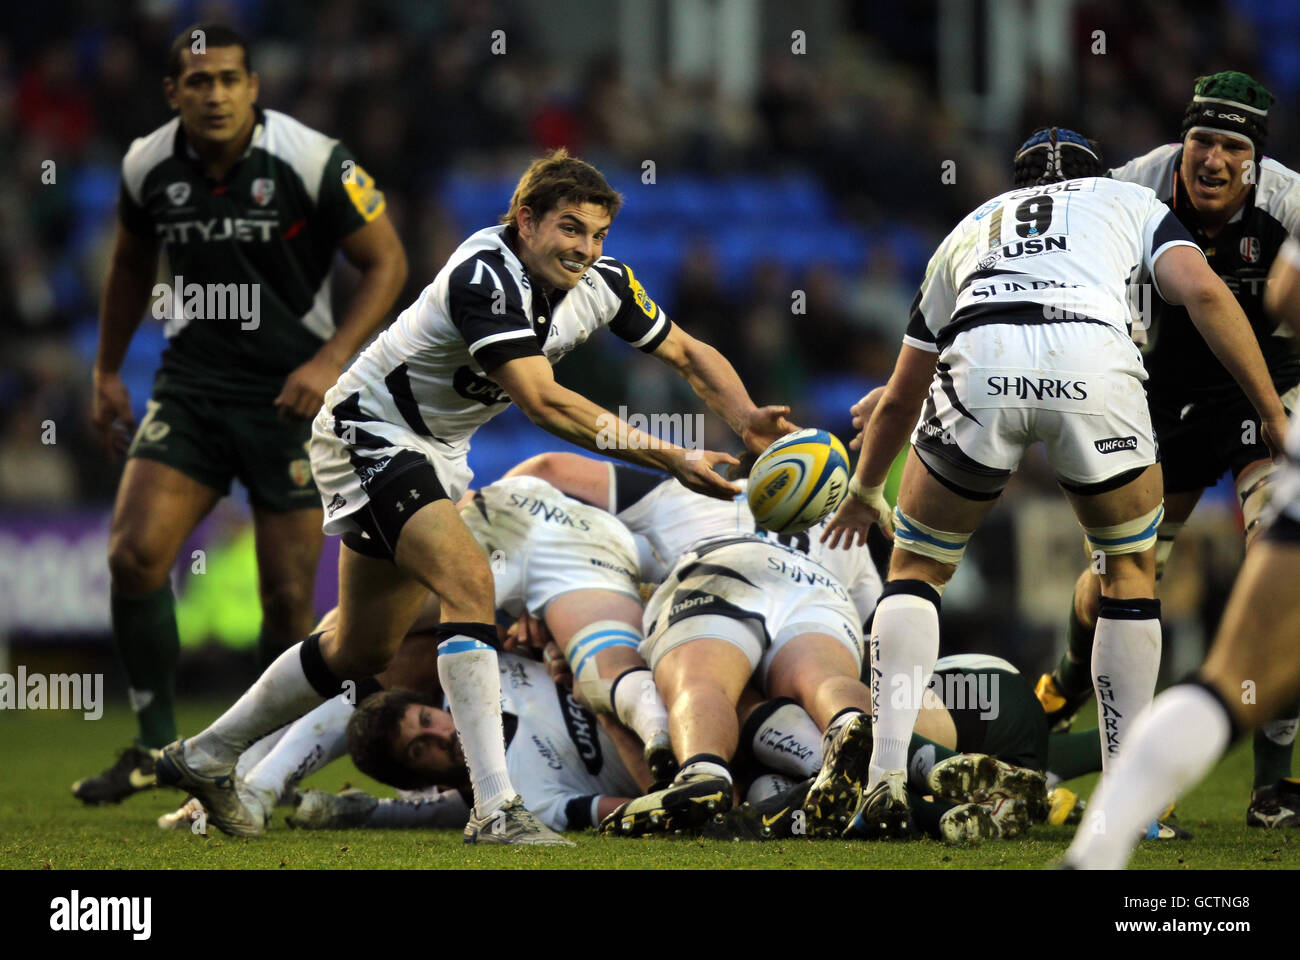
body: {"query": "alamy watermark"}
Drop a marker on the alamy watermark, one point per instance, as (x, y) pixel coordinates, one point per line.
(949, 690)
(637, 431)
(209, 301)
(75, 913)
(57, 691)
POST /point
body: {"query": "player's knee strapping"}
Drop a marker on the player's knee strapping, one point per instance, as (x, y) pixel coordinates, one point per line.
(1131, 536)
(938, 545)
(582, 653)
(1254, 490)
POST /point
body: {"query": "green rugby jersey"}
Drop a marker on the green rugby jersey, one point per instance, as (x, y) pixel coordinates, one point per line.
(271, 228)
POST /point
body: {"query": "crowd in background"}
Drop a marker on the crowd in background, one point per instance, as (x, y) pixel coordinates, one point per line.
(414, 90)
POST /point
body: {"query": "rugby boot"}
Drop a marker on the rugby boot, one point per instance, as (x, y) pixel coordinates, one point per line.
(975, 777)
(688, 803)
(1275, 806)
(836, 792)
(133, 772)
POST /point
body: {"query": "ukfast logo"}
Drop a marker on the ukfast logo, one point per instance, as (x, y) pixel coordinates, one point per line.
(1114, 444)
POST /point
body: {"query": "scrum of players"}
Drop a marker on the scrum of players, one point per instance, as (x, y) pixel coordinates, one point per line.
(781, 670)
(587, 732)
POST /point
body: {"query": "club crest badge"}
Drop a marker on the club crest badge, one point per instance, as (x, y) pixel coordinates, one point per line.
(263, 190)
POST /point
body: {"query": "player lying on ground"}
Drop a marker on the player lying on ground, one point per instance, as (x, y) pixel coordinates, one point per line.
(1020, 333)
(571, 566)
(736, 607)
(1249, 678)
(1239, 207)
(981, 705)
(570, 768)
(389, 453)
(723, 616)
(251, 203)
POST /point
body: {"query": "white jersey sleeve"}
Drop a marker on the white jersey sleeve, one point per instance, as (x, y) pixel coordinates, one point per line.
(937, 298)
(1161, 231)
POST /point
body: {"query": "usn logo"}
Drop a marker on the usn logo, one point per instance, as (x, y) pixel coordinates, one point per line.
(1113, 444)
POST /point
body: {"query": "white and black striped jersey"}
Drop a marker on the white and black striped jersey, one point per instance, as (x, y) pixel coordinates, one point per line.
(675, 520)
(1044, 254)
(1181, 366)
(427, 370)
(558, 756)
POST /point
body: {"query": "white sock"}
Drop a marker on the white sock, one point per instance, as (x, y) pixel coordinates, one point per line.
(919, 766)
(789, 742)
(707, 767)
(470, 678)
(904, 649)
(1169, 748)
(1125, 661)
(638, 705)
(1281, 732)
(305, 746)
(280, 695)
(768, 785)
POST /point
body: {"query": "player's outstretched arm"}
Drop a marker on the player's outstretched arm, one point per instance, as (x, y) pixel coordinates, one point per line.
(531, 385)
(716, 382)
(377, 252)
(894, 415)
(131, 274)
(1185, 278)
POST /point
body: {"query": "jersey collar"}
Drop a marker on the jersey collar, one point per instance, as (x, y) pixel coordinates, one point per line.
(184, 150)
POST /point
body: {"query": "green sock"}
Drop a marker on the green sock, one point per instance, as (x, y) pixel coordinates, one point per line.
(1273, 759)
(927, 813)
(1073, 674)
(921, 760)
(144, 627)
(1071, 755)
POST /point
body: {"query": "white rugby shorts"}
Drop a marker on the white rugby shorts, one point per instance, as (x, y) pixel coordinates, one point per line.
(345, 472)
(999, 388)
(753, 593)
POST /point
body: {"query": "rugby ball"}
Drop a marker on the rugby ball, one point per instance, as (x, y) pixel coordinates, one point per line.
(798, 481)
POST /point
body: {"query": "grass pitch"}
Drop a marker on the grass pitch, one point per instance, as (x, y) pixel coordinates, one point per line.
(43, 826)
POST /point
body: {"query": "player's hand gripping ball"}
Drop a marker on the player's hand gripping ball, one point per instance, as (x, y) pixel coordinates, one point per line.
(798, 481)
